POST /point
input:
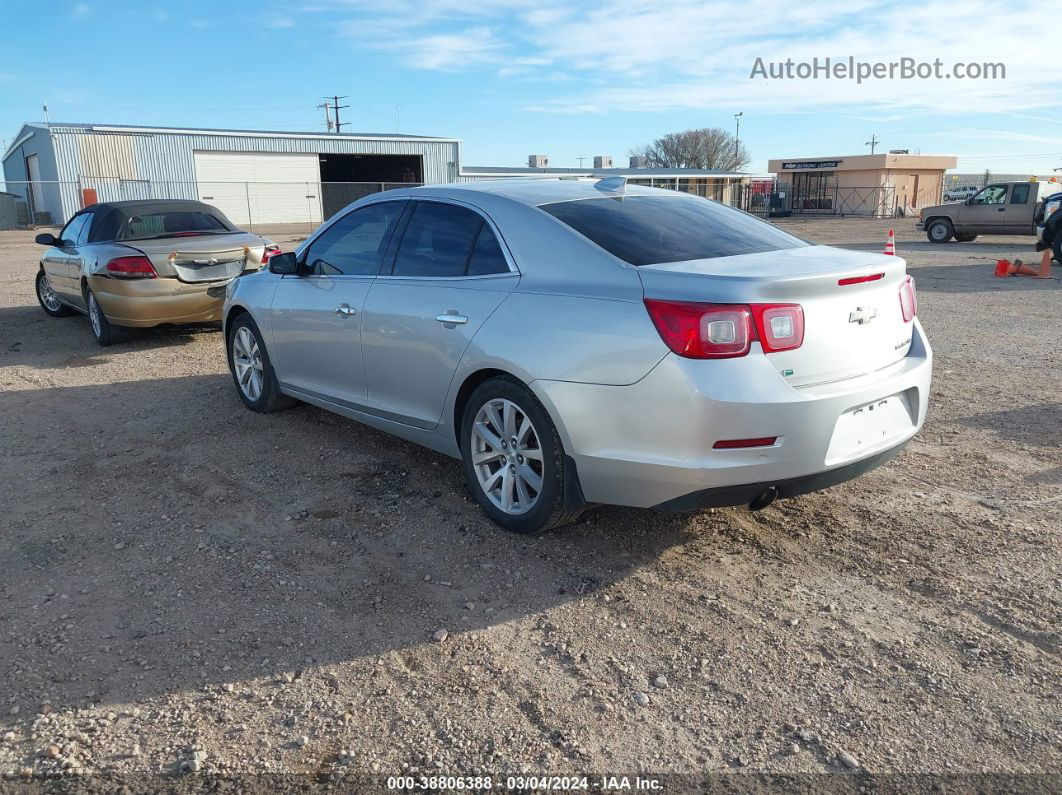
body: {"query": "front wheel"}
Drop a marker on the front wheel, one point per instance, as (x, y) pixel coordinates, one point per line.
(252, 372)
(49, 299)
(940, 231)
(514, 460)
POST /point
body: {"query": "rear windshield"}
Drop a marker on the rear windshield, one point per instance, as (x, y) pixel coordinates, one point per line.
(648, 230)
(172, 224)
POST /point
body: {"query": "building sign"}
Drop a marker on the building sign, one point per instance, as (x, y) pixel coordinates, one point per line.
(798, 164)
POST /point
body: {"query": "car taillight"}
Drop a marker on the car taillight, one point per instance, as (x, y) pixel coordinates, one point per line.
(702, 331)
(135, 267)
(269, 253)
(723, 331)
(780, 326)
(908, 300)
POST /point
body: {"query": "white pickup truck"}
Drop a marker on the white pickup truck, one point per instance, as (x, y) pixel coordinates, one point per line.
(1002, 208)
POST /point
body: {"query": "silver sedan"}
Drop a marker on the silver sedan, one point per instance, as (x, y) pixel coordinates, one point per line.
(577, 342)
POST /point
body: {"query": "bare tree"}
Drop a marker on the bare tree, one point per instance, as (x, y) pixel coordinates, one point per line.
(708, 147)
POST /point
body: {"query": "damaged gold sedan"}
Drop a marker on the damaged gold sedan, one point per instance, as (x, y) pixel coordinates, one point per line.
(145, 263)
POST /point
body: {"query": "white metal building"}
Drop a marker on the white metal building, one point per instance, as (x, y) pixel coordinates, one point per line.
(251, 175)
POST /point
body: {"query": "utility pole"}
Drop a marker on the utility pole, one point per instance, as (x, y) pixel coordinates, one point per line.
(872, 143)
(336, 107)
(398, 118)
(580, 159)
(737, 137)
(328, 116)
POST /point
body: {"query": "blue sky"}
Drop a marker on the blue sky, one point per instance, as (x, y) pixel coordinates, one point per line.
(513, 77)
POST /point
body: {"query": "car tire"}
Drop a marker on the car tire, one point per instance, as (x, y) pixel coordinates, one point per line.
(966, 238)
(105, 332)
(48, 298)
(1056, 246)
(252, 371)
(940, 231)
(491, 459)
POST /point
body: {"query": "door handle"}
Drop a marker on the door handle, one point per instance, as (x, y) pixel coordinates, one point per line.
(451, 318)
(345, 310)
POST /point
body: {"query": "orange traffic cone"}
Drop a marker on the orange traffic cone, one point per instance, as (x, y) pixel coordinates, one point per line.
(890, 244)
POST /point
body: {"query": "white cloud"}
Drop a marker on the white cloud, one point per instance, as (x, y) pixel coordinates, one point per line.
(279, 21)
(683, 54)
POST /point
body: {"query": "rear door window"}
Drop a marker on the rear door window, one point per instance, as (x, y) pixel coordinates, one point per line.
(649, 230)
(439, 241)
(355, 244)
(1020, 194)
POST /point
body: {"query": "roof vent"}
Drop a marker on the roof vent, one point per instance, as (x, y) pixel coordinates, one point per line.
(899, 151)
(602, 161)
(538, 161)
(639, 161)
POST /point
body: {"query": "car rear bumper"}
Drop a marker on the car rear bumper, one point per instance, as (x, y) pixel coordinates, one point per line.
(651, 443)
(152, 302)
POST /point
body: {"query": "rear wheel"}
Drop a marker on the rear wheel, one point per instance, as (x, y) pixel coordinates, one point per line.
(105, 332)
(49, 299)
(251, 369)
(940, 231)
(514, 460)
(966, 238)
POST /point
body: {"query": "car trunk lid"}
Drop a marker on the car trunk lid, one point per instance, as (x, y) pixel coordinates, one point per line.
(853, 322)
(203, 258)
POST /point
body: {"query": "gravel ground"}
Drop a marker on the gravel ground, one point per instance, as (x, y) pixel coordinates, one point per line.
(186, 585)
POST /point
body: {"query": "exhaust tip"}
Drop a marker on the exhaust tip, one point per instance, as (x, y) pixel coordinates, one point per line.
(768, 496)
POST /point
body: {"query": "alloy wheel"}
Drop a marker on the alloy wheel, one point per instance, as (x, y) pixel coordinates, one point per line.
(507, 456)
(247, 360)
(94, 316)
(47, 295)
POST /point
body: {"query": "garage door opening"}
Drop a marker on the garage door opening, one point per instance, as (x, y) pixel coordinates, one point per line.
(346, 178)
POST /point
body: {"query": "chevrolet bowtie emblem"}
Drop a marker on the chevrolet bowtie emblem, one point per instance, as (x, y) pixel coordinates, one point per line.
(863, 315)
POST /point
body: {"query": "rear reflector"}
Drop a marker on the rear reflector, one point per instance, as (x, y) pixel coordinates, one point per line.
(736, 444)
(136, 267)
(860, 279)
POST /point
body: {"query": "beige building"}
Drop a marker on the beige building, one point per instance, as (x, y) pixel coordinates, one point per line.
(880, 185)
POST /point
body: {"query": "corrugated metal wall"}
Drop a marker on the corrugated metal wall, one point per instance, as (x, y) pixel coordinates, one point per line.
(164, 157)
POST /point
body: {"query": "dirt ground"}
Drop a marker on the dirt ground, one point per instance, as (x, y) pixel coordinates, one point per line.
(186, 585)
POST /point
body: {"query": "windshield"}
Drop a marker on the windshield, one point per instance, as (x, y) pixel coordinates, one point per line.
(649, 230)
(172, 224)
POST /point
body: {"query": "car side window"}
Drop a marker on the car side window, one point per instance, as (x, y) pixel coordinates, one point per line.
(487, 257)
(1020, 194)
(993, 194)
(83, 235)
(355, 244)
(73, 229)
(438, 241)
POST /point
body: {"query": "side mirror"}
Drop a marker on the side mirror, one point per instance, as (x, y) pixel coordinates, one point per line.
(284, 264)
(969, 201)
(46, 239)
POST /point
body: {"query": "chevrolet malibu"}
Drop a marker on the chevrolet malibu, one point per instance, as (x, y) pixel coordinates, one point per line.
(144, 263)
(577, 342)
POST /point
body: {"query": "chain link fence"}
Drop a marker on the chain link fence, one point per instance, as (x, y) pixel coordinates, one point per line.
(294, 207)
